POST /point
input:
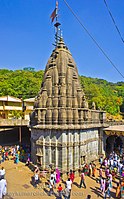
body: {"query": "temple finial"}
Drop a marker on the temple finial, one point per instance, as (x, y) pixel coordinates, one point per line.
(53, 16)
(57, 24)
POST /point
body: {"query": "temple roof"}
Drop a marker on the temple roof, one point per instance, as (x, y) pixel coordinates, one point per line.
(61, 100)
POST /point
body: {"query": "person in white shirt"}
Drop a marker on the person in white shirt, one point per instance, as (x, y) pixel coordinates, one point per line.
(66, 193)
(17, 147)
(3, 189)
(2, 173)
(51, 183)
(36, 178)
(111, 162)
(53, 175)
(69, 185)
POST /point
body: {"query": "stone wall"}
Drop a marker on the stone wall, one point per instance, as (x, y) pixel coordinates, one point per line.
(67, 149)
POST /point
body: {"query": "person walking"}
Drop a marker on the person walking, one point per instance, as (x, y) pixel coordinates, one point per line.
(60, 191)
(16, 158)
(107, 189)
(51, 184)
(66, 193)
(102, 185)
(2, 173)
(94, 170)
(6, 155)
(36, 178)
(69, 185)
(90, 169)
(71, 175)
(82, 181)
(57, 175)
(3, 188)
(53, 175)
(3, 156)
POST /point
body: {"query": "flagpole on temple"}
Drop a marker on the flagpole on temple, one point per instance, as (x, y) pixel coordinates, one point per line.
(57, 24)
(53, 16)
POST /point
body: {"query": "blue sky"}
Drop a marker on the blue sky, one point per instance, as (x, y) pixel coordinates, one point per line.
(27, 35)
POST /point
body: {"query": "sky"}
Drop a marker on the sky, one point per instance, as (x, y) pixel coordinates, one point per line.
(27, 35)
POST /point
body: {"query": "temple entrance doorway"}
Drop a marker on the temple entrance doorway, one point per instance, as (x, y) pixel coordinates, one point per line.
(114, 143)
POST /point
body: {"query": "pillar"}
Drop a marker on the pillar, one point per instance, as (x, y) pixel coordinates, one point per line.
(76, 151)
(64, 151)
(70, 151)
(20, 135)
(43, 164)
(56, 155)
(50, 158)
(101, 146)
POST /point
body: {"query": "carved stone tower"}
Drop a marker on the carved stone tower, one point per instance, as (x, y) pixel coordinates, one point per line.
(64, 131)
(61, 101)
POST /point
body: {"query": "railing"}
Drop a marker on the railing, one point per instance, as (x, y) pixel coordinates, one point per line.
(113, 123)
(22, 122)
(14, 122)
(18, 108)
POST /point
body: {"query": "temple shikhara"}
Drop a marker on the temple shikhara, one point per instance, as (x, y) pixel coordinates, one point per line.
(65, 132)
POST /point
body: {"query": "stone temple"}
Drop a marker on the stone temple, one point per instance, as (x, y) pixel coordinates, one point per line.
(65, 132)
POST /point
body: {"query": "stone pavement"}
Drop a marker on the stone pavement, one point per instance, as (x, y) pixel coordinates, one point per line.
(20, 186)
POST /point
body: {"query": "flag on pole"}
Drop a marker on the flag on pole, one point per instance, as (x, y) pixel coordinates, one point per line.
(53, 15)
(56, 4)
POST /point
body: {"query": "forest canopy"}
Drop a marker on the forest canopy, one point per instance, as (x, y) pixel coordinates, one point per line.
(26, 83)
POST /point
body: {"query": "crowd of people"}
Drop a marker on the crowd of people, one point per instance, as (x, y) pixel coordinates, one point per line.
(55, 181)
(113, 172)
(16, 153)
(109, 172)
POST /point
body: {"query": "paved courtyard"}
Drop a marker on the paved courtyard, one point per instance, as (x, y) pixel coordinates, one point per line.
(20, 185)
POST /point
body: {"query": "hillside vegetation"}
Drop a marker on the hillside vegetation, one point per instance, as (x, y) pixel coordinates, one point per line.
(26, 83)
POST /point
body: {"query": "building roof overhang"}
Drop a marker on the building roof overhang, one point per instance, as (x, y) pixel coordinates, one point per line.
(10, 99)
(29, 100)
(117, 130)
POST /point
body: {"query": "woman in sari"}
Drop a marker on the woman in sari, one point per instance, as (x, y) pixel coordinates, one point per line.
(16, 158)
(57, 175)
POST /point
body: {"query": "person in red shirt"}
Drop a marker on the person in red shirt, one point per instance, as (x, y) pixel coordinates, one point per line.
(71, 176)
(60, 191)
(6, 155)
